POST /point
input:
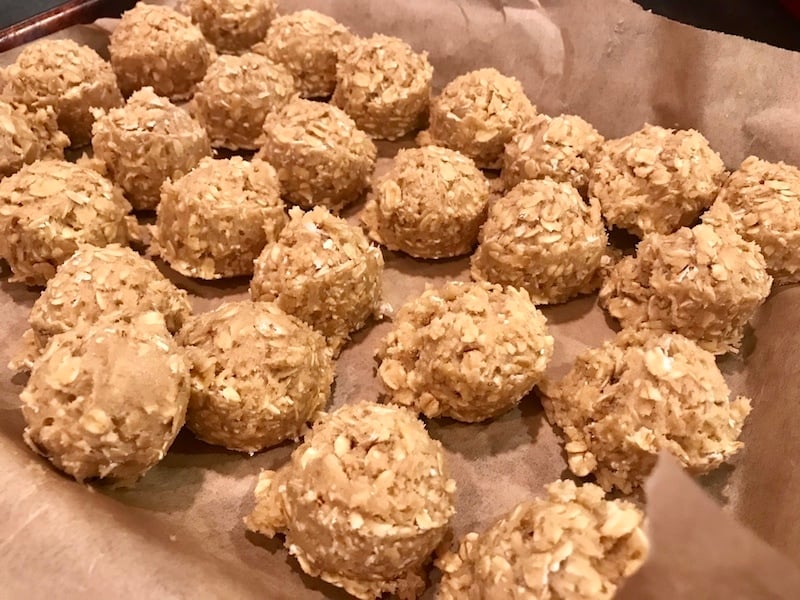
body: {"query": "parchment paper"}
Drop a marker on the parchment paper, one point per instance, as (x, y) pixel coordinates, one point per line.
(179, 532)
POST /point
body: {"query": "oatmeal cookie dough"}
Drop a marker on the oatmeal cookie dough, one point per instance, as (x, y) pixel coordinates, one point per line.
(363, 502)
(572, 544)
(639, 394)
(27, 136)
(321, 156)
(656, 180)
(307, 43)
(146, 142)
(542, 237)
(214, 221)
(704, 283)
(106, 402)
(156, 46)
(48, 209)
(324, 271)
(383, 85)
(469, 351)
(233, 26)
(430, 204)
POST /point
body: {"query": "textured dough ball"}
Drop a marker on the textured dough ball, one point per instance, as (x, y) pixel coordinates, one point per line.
(363, 502)
(704, 283)
(563, 148)
(639, 394)
(571, 545)
(383, 85)
(216, 220)
(430, 204)
(50, 207)
(236, 95)
(64, 75)
(656, 180)
(146, 142)
(321, 156)
(324, 271)
(232, 26)
(477, 114)
(469, 351)
(543, 237)
(107, 401)
(27, 136)
(307, 43)
(156, 46)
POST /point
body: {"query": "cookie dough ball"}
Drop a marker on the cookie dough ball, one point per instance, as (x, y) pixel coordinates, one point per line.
(639, 394)
(236, 95)
(477, 114)
(48, 209)
(307, 43)
(656, 180)
(27, 136)
(363, 502)
(232, 26)
(383, 85)
(66, 76)
(430, 204)
(324, 271)
(107, 401)
(704, 283)
(563, 148)
(321, 156)
(469, 351)
(258, 375)
(571, 545)
(146, 142)
(542, 237)
(156, 46)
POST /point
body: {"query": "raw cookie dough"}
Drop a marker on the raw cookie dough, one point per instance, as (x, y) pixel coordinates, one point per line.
(703, 282)
(363, 502)
(106, 402)
(69, 78)
(543, 237)
(383, 85)
(258, 375)
(27, 136)
(324, 271)
(146, 142)
(430, 204)
(232, 26)
(321, 156)
(50, 207)
(656, 180)
(639, 394)
(470, 351)
(214, 221)
(571, 545)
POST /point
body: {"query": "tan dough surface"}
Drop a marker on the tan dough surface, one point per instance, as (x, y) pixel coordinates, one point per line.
(233, 26)
(28, 135)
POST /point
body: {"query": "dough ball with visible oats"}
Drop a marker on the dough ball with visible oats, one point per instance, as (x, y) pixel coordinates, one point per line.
(477, 114)
(637, 395)
(562, 148)
(656, 180)
(383, 85)
(258, 375)
(233, 26)
(214, 221)
(146, 142)
(106, 402)
(321, 156)
(28, 135)
(543, 237)
(48, 209)
(704, 282)
(307, 43)
(236, 95)
(324, 271)
(66, 76)
(363, 502)
(156, 46)
(469, 351)
(572, 544)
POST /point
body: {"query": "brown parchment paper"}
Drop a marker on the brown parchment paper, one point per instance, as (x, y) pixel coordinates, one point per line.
(179, 532)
